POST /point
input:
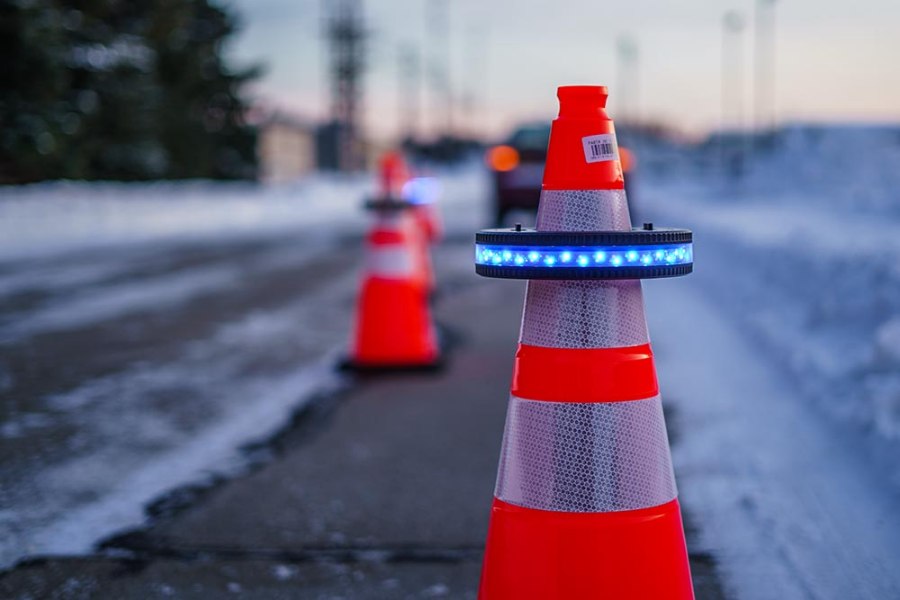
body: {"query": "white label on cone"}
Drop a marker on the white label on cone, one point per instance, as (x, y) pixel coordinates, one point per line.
(600, 148)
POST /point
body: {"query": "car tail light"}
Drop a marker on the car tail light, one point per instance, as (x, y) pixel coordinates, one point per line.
(503, 158)
(626, 157)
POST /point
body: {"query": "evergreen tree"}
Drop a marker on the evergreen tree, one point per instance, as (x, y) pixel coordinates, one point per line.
(120, 89)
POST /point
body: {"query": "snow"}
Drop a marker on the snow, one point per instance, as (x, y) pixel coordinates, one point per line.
(63, 217)
(887, 341)
(91, 457)
(52, 218)
(779, 361)
(139, 445)
(812, 275)
(785, 501)
(215, 447)
(110, 301)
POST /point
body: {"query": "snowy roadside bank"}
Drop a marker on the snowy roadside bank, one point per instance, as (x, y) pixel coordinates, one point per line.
(55, 218)
(51, 218)
(780, 359)
(816, 284)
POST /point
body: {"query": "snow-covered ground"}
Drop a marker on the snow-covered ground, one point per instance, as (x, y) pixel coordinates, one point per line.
(805, 254)
(59, 217)
(148, 332)
(781, 360)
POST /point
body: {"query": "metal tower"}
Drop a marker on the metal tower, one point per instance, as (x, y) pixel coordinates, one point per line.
(346, 34)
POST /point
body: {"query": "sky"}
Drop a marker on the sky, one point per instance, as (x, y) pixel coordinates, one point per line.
(836, 60)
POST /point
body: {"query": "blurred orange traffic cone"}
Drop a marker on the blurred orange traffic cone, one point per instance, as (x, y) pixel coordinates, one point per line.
(396, 185)
(393, 322)
(422, 193)
(393, 173)
(585, 504)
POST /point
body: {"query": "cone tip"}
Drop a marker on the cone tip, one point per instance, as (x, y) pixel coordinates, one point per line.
(581, 100)
(572, 162)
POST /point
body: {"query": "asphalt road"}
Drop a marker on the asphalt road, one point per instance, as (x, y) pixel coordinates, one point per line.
(373, 488)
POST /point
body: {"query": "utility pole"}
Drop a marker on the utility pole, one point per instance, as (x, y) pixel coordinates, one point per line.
(627, 80)
(473, 85)
(764, 71)
(346, 35)
(732, 124)
(409, 79)
(438, 27)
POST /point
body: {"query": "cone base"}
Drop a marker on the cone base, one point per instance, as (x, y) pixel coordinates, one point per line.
(638, 555)
(394, 328)
(355, 366)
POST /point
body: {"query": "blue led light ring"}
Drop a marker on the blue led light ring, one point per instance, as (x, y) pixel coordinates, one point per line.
(637, 254)
(634, 237)
(387, 204)
(584, 256)
(579, 273)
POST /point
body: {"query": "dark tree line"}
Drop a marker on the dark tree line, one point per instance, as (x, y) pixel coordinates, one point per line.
(120, 89)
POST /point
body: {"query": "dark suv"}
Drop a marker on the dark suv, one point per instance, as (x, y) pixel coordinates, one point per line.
(518, 168)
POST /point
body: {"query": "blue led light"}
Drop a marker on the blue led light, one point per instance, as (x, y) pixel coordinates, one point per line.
(584, 256)
(421, 190)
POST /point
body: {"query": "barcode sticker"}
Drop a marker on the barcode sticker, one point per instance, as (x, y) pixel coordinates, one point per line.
(600, 148)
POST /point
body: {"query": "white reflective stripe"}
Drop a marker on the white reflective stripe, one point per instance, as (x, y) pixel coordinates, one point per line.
(583, 210)
(584, 314)
(585, 457)
(389, 261)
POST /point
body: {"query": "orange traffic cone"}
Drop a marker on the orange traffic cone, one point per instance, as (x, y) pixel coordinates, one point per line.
(393, 173)
(585, 504)
(422, 193)
(396, 186)
(393, 322)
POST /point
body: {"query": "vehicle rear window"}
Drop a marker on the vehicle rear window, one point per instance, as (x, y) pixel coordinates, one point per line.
(530, 138)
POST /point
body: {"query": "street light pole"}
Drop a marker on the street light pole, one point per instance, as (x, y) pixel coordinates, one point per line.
(408, 92)
(764, 71)
(627, 78)
(438, 27)
(732, 148)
